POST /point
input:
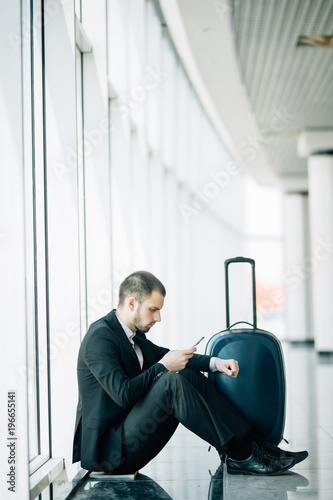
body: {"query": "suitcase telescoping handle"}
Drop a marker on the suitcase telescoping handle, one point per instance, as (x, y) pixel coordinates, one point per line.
(226, 267)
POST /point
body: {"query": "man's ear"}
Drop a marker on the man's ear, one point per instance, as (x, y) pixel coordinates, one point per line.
(131, 303)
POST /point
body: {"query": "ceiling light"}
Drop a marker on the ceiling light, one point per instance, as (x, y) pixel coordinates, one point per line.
(321, 41)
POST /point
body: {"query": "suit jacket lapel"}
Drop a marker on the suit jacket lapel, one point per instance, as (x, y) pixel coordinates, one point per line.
(117, 330)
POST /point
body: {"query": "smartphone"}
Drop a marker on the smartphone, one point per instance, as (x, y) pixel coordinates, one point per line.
(198, 342)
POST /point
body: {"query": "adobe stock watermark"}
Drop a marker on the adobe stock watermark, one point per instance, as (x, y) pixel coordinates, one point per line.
(294, 277)
(222, 7)
(74, 155)
(60, 340)
(322, 251)
(220, 180)
(152, 79)
(145, 430)
(51, 10)
(123, 105)
(248, 149)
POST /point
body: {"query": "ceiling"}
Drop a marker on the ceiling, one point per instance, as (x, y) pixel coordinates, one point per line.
(280, 75)
(264, 85)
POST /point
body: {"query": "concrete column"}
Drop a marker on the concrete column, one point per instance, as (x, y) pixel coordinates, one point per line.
(320, 174)
(316, 144)
(297, 281)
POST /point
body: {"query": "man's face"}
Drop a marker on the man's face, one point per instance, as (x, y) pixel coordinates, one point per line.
(148, 313)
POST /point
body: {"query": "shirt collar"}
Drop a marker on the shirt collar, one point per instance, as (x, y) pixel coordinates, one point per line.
(130, 335)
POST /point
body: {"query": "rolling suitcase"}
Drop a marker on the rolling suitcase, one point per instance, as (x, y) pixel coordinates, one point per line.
(258, 393)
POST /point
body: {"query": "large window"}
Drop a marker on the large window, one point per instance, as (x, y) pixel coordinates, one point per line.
(57, 310)
(36, 242)
(81, 188)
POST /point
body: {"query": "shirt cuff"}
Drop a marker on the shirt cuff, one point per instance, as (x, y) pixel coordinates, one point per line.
(162, 364)
(212, 366)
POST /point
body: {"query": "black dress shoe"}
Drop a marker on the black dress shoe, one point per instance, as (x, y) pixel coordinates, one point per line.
(259, 463)
(275, 451)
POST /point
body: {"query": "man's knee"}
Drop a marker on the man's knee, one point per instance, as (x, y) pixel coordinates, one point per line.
(168, 377)
(172, 380)
(172, 384)
(163, 392)
(191, 375)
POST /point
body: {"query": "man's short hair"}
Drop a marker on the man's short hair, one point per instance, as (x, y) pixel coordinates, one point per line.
(140, 284)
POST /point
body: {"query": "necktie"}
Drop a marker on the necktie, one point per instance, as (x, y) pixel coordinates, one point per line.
(138, 351)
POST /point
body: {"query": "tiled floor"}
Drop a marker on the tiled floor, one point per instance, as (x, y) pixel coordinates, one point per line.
(184, 470)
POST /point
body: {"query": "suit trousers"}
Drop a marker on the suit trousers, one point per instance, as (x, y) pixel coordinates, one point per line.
(187, 397)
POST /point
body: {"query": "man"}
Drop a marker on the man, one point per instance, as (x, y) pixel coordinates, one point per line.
(133, 394)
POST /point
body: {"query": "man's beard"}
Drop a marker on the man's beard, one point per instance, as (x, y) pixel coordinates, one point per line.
(137, 322)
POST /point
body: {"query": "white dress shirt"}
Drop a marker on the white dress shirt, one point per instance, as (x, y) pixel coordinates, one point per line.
(130, 335)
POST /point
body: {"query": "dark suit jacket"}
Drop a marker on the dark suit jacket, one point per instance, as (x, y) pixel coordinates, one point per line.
(110, 383)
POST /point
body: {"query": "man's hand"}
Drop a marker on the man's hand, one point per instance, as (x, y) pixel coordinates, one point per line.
(177, 360)
(227, 366)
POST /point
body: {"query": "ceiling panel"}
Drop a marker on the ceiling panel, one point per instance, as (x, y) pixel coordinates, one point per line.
(290, 86)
